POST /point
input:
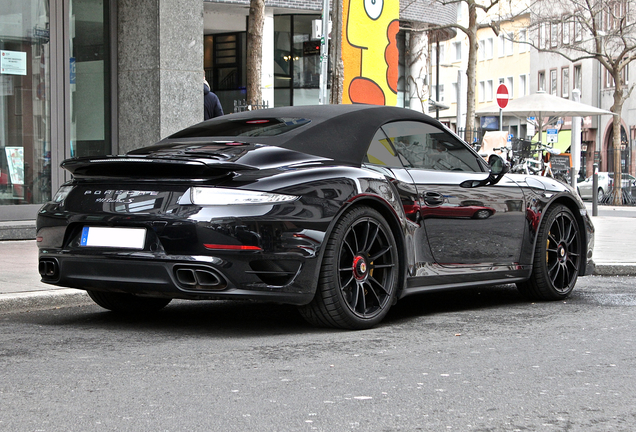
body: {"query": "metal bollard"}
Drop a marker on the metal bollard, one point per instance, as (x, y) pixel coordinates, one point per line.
(595, 191)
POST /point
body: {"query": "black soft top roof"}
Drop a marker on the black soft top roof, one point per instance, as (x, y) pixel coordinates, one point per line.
(338, 132)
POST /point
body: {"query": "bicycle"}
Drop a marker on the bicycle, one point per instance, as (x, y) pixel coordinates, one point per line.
(525, 163)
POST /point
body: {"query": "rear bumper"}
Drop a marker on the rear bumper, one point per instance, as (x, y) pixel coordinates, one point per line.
(184, 277)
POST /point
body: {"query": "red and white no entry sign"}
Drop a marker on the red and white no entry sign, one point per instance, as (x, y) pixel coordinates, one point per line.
(502, 96)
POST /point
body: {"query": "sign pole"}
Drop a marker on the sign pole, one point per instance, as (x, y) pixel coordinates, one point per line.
(502, 101)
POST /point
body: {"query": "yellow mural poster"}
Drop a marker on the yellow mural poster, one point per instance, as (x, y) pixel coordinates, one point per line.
(369, 51)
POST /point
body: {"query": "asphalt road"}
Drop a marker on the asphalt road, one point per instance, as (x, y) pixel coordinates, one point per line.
(482, 360)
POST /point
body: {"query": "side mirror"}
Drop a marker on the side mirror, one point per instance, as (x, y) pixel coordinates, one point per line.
(498, 168)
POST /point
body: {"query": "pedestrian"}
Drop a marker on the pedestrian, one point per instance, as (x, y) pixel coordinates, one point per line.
(211, 104)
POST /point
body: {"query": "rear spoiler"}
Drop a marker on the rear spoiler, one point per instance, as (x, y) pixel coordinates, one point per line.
(148, 167)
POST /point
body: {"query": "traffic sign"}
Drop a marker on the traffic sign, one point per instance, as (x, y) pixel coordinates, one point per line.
(502, 96)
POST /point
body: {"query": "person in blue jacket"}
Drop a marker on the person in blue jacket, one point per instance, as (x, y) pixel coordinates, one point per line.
(211, 104)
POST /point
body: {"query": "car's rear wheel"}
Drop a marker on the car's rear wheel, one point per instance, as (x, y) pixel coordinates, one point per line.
(359, 273)
(127, 303)
(557, 257)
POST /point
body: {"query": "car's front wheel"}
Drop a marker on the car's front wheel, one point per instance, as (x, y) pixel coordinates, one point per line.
(359, 274)
(557, 256)
(127, 303)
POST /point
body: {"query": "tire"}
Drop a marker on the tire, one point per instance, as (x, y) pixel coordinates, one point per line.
(482, 214)
(359, 273)
(601, 194)
(128, 303)
(557, 257)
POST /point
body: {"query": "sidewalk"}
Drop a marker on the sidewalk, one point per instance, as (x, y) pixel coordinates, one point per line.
(21, 289)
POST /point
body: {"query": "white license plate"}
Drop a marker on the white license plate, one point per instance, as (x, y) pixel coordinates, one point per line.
(127, 238)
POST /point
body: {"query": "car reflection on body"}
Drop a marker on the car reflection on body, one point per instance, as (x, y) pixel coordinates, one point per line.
(459, 211)
(341, 210)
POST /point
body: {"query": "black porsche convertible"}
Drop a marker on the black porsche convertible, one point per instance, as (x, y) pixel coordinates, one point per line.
(339, 209)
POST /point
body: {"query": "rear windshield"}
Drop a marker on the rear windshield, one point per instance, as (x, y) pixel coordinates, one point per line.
(253, 127)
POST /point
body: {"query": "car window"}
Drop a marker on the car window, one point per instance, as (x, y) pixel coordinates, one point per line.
(421, 145)
(381, 152)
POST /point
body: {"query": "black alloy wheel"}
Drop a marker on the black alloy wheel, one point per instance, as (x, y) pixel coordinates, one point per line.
(557, 258)
(359, 273)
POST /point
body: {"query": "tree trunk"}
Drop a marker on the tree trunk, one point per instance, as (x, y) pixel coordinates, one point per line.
(471, 72)
(617, 108)
(418, 62)
(255, 51)
(618, 193)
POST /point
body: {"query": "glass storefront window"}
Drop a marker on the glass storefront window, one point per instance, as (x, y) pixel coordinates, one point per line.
(306, 78)
(282, 60)
(296, 61)
(25, 141)
(89, 78)
(224, 59)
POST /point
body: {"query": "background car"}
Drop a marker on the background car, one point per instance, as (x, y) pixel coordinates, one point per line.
(605, 183)
(341, 210)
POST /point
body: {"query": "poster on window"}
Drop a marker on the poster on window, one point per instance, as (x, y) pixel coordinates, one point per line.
(13, 62)
(15, 158)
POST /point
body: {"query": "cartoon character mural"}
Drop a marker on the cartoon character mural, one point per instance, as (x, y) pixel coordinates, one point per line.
(369, 51)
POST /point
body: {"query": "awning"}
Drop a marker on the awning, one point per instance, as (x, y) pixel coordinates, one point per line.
(564, 140)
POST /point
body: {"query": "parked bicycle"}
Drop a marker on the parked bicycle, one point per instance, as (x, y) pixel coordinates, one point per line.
(529, 158)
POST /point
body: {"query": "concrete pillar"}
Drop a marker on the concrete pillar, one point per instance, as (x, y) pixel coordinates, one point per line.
(160, 69)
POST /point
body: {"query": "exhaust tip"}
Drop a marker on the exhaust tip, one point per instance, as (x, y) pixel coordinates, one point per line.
(200, 279)
(49, 269)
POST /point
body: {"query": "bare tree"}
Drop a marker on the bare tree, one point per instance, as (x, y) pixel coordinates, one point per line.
(470, 30)
(603, 30)
(254, 51)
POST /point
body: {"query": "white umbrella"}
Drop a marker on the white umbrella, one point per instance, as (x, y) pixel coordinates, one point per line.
(540, 105)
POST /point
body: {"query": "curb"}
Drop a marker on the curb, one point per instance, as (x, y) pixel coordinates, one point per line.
(615, 269)
(40, 300)
(66, 297)
(18, 230)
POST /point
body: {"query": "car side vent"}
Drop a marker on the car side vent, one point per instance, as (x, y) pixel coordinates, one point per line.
(275, 273)
(199, 279)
